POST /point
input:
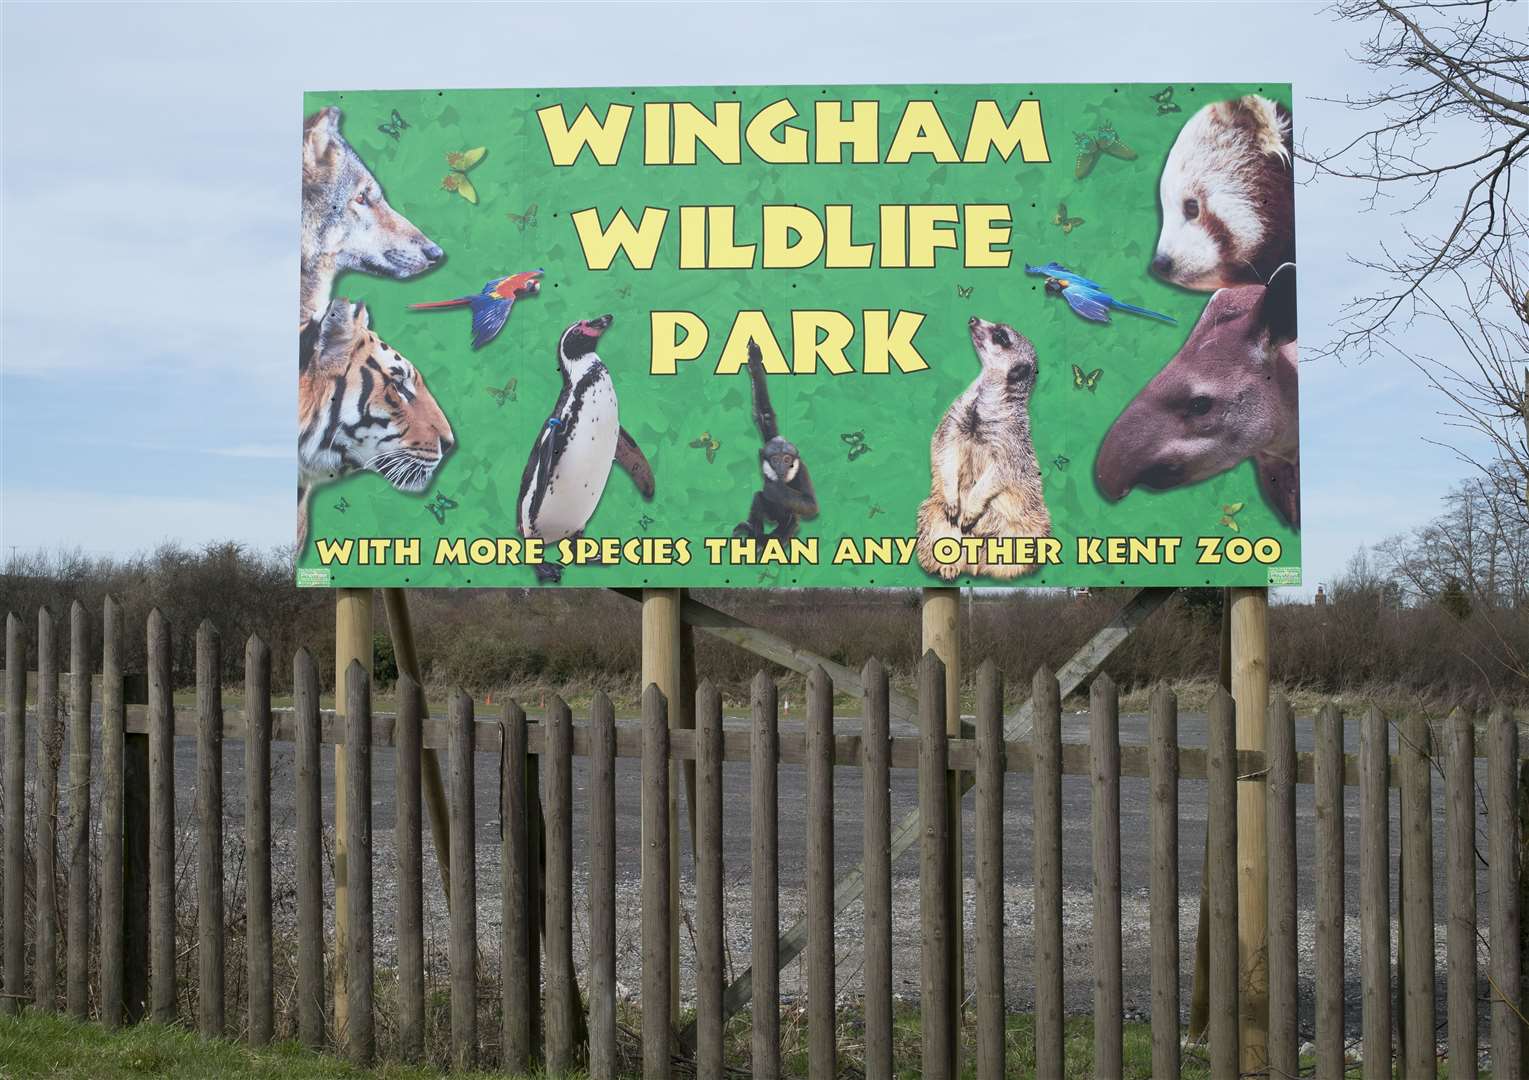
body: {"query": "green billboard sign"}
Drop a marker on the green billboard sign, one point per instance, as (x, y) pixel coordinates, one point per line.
(799, 336)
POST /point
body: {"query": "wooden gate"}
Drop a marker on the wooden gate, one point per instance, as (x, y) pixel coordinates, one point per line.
(556, 1014)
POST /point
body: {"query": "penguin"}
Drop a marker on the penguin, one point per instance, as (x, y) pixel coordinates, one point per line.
(574, 450)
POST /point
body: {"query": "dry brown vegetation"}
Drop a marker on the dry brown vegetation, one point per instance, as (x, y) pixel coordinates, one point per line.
(1370, 639)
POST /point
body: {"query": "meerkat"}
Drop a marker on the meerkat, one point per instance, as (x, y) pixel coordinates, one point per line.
(986, 481)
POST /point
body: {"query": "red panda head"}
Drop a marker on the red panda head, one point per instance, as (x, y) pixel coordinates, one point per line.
(1228, 197)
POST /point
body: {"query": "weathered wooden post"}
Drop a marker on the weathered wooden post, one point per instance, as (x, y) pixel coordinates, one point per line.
(49, 744)
(134, 976)
(942, 636)
(15, 814)
(661, 667)
(352, 641)
(395, 603)
(257, 831)
(657, 923)
(1250, 690)
(1199, 994)
(360, 1036)
(161, 815)
(77, 968)
(209, 813)
(938, 995)
(113, 885)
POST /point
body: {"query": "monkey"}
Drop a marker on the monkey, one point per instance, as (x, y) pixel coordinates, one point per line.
(786, 496)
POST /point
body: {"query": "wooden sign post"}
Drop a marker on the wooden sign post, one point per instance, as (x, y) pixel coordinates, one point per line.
(942, 635)
(662, 667)
(1250, 690)
(352, 641)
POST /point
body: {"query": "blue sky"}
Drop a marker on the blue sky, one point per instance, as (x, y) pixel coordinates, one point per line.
(151, 193)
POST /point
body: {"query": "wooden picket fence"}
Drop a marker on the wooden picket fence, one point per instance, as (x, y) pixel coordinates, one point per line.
(544, 996)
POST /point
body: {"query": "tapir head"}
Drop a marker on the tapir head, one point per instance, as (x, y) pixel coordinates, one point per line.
(1229, 394)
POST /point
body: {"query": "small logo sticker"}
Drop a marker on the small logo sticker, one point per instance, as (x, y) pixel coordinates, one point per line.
(1284, 575)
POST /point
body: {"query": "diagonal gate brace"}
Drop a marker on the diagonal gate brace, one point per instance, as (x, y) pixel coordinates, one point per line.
(1018, 725)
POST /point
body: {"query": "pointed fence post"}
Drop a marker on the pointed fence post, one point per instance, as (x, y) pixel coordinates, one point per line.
(464, 888)
(310, 850)
(602, 886)
(764, 819)
(113, 824)
(209, 812)
(1221, 809)
(519, 943)
(1046, 791)
(360, 1038)
(711, 977)
(656, 924)
(878, 873)
(989, 859)
(162, 999)
(257, 837)
(49, 744)
(942, 636)
(408, 850)
(1163, 896)
(352, 641)
(822, 1055)
(1104, 764)
(938, 992)
(15, 816)
(77, 968)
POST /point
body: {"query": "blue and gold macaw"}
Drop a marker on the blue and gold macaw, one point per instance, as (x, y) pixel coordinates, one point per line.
(1086, 297)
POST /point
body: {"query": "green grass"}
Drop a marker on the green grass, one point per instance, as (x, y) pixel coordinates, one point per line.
(50, 1046)
(56, 1048)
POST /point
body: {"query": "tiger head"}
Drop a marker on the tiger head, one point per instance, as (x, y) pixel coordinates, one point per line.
(361, 406)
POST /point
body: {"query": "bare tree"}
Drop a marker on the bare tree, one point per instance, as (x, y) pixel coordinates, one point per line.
(1448, 121)
(1480, 542)
(1486, 382)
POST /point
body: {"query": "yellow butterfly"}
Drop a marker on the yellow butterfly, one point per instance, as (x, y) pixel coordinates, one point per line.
(709, 444)
(501, 396)
(1229, 512)
(460, 163)
(1089, 381)
(1068, 224)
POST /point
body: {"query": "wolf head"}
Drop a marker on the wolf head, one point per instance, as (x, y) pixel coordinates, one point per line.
(1228, 395)
(1228, 197)
(347, 223)
(1007, 356)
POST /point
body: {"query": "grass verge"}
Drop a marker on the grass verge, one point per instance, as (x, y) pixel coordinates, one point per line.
(50, 1046)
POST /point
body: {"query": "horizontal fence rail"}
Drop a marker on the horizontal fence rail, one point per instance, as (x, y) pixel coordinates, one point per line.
(563, 1017)
(848, 750)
